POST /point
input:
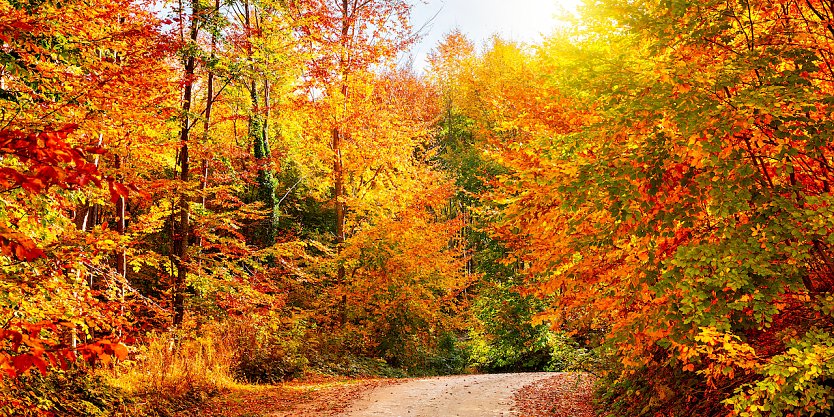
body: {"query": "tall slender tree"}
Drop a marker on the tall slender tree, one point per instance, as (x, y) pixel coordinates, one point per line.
(180, 227)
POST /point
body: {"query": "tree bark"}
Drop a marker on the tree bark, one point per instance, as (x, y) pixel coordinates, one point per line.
(182, 231)
(338, 166)
(85, 215)
(265, 190)
(207, 120)
(121, 259)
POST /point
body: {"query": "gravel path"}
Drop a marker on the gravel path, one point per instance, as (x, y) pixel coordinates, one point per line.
(449, 396)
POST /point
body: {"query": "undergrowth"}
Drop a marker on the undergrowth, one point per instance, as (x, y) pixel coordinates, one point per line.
(168, 375)
(74, 392)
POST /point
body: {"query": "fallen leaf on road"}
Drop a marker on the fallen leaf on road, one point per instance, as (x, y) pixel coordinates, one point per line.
(564, 395)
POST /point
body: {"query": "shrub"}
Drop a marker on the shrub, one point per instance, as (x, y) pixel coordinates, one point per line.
(451, 357)
(72, 392)
(269, 350)
(167, 374)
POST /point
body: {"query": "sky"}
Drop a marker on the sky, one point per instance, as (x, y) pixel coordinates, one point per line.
(519, 20)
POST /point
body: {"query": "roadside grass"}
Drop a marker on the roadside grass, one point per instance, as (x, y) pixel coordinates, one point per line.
(170, 376)
(316, 396)
(165, 376)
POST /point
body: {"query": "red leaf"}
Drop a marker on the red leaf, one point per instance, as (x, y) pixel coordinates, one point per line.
(119, 350)
(117, 190)
(122, 190)
(40, 364)
(22, 248)
(15, 337)
(22, 363)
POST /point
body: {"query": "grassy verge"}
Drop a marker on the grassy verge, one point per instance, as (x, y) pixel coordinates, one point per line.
(167, 376)
(317, 397)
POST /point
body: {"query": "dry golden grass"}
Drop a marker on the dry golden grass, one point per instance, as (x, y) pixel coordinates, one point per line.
(315, 397)
(166, 375)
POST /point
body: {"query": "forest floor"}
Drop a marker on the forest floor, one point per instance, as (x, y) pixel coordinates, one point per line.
(566, 394)
(522, 394)
(319, 397)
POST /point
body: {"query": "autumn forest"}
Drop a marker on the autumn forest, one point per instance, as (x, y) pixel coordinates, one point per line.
(201, 194)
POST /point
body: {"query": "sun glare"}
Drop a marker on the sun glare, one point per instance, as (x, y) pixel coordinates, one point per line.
(519, 20)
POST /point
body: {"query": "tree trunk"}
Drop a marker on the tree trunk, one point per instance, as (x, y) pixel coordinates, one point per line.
(121, 256)
(265, 189)
(209, 105)
(121, 259)
(207, 120)
(266, 118)
(85, 215)
(338, 166)
(338, 186)
(182, 231)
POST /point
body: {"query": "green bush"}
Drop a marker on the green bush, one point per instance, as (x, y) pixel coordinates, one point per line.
(452, 356)
(545, 351)
(270, 350)
(356, 366)
(73, 392)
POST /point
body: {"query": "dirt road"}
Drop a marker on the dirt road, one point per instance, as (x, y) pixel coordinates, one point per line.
(449, 396)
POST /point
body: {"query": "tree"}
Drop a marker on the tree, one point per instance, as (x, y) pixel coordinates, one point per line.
(496, 106)
(347, 39)
(67, 87)
(266, 45)
(180, 227)
(405, 283)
